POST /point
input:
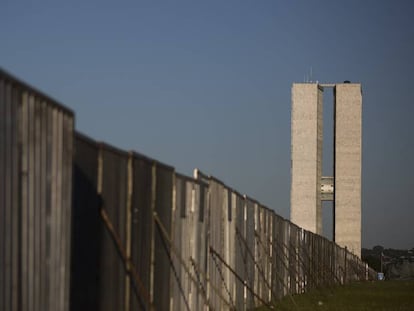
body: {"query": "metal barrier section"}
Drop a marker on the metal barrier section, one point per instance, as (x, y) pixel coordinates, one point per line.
(189, 236)
(240, 253)
(182, 243)
(180, 229)
(86, 227)
(161, 260)
(112, 188)
(218, 215)
(134, 234)
(141, 230)
(36, 136)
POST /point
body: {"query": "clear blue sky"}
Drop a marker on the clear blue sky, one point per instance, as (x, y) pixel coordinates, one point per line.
(207, 84)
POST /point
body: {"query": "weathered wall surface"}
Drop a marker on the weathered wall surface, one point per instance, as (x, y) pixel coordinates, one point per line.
(306, 156)
(307, 133)
(348, 152)
(36, 135)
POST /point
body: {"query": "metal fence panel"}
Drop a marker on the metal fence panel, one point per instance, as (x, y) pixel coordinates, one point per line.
(8, 193)
(161, 251)
(35, 168)
(263, 247)
(141, 230)
(112, 186)
(231, 242)
(292, 247)
(178, 224)
(86, 233)
(241, 254)
(216, 242)
(200, 251)
(280, 256)
(189, 235)
(250, 249)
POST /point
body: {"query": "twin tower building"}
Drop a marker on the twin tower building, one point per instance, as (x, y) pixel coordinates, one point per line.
(308, 187)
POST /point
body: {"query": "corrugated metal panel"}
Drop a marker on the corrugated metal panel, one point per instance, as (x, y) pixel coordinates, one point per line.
(189, 238)
(264, 231)
(309, 280)
(216, 241)
(36, 179)
(161, 251)
(86, 233)
(178, 223)
(112, 186)
(293, 246)
(187, 241)
(280, 252)
(256, 251)
(231, 242)
(240, 252)
(141, 228)
(200, 251)
(250, 249)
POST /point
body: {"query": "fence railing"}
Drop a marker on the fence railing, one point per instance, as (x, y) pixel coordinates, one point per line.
(193, 242)
(139, 236)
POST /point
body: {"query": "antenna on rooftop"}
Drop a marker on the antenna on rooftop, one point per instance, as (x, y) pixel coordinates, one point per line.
(308, 77)
(311, 76)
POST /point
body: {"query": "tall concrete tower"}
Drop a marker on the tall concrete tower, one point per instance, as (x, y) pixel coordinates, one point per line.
(308, 187)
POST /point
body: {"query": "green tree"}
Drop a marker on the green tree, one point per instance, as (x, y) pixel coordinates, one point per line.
(373, 261)
(378, 249)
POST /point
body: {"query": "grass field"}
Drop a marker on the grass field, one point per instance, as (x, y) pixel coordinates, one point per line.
(387, 295)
